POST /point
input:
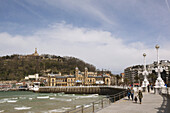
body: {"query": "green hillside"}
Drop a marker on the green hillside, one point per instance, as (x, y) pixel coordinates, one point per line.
(16, 67)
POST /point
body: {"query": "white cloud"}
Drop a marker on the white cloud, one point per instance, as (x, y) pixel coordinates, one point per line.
(100, 48)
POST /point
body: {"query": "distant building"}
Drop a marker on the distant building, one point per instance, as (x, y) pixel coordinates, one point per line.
(34, 55)
(132, 71)
(122, 75)
(43, 56)
(80, 78)
(34, 77)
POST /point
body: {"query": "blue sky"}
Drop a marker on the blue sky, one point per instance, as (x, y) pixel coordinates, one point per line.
(110, 34)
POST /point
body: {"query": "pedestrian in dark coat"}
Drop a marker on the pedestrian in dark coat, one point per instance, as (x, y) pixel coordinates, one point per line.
(140, 95)
(128, 93)
(132, 93)
(148, 88)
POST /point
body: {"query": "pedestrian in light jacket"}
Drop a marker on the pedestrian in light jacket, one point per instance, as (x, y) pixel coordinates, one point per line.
(140, 95)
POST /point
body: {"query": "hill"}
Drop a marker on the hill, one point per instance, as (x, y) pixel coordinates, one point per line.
(16, 67)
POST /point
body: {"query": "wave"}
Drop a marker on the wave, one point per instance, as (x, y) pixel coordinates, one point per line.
(88, 96)
(11, 101)
(87, 105)
(56, 110)
(15, 98)
(60, 99)
(2, 101)
(22, 97)
(66, 108)
(2, 111)
(78, 106)
(22, 108)
(30, 98)
(45, 97)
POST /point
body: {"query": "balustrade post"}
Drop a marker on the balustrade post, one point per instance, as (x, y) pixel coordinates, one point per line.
(82, 109)
(102, 103)
(93, 107)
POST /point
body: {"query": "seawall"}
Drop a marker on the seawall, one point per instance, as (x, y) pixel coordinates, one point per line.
(102, 90)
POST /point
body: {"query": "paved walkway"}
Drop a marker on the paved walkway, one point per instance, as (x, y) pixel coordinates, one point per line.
(152, 103)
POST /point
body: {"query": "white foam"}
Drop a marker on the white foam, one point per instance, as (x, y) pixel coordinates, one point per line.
(1, 111)
(11, 101)
(60, 99)
(56, 110)
(30, 98)
(87, 105)
(65, 95)
(22, 97)
(15, 98)
(68, 100)
(78, 106)
(88, 96)
(66, 108)
(52, 98)
(45, 97)
(2, 101)
(22, 108)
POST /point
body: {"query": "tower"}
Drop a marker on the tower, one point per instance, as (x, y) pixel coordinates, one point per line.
(76, 73)
(86, 76)
(35, 50)
(36, 53)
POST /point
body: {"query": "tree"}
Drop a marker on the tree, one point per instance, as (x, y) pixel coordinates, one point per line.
(136, 78)
(126, 81)
(117, 79)
(152, 77)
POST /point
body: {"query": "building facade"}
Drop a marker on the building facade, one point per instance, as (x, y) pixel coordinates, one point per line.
(79, 79)
(131, 72)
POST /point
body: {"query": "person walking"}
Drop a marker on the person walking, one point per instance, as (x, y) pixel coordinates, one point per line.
(132, 93)
(148, 88)
(140, 95)
(128, 93)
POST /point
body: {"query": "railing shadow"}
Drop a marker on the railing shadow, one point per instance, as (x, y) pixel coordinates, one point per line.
(99, 104)
(165, 107)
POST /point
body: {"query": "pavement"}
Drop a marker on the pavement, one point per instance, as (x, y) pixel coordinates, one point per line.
(151, 103)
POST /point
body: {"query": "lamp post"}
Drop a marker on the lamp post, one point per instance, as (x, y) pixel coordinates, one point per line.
(159, 82)
(145, 82)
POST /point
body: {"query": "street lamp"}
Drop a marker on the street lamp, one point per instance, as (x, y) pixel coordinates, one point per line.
(159, 82)
(145, 82)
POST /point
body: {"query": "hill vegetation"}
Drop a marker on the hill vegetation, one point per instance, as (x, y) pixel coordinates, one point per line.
(16, 67)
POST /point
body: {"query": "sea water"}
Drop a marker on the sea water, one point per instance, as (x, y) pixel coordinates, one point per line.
(29, 102)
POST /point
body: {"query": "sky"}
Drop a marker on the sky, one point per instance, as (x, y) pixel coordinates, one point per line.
(110, 34)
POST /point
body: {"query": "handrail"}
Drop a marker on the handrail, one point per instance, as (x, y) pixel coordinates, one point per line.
(109, 99)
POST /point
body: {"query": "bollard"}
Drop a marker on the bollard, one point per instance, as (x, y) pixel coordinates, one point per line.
(102, 103)
(82, 109)
(114, 99)
(93, 107)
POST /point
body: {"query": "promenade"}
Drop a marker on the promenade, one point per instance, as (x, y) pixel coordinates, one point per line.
(152, 103)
